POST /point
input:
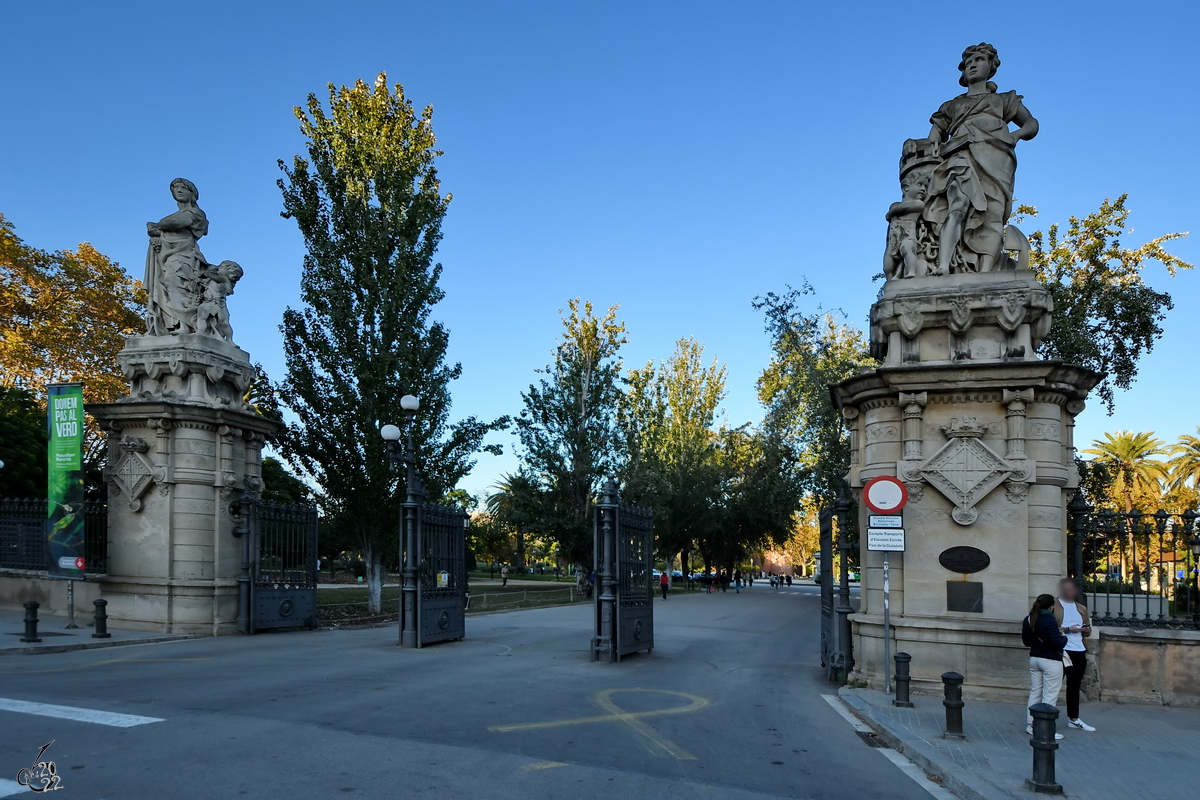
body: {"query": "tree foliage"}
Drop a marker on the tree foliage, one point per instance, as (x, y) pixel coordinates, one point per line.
(568, 426)
(64, 316)
(22, 444)
(281, 486)
(1135, 471)
(811, 350)
(369, 205)
(1105, 315)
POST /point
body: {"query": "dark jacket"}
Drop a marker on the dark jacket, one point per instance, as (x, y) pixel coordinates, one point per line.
(1044, 638)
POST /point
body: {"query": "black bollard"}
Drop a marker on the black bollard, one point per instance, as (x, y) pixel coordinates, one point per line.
(1044, 745)
(902, 680)
(31, 621)
(101, 620)
(954, 705)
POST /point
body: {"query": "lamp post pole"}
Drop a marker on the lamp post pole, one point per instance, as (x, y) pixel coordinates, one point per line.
(409, 521)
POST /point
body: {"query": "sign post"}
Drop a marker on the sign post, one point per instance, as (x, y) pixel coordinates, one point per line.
(886, 496)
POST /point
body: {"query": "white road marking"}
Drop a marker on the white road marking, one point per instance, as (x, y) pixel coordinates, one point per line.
(9, 788)
(76, 714)
(907, 767)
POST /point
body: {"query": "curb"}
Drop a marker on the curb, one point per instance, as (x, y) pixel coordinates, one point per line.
(958, 780)
(96, 645)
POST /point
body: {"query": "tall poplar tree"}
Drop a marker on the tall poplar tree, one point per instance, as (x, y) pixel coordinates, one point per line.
(369, 205)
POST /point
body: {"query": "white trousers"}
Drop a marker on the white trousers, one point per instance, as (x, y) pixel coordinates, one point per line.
(1045, 681)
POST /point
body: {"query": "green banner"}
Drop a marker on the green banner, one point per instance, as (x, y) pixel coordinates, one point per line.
(64, 489)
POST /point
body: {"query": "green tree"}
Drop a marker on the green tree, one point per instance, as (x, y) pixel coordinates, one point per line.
(811, 350)
(667, 416)
(369, 205)
(1105, 316)
(1131, 461)
(64, 316)
(22, 444)
(567, 428)
(281, 486)
(1185, 470)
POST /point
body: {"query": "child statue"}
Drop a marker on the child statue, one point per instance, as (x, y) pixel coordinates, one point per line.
(904, 256)
(212, 314)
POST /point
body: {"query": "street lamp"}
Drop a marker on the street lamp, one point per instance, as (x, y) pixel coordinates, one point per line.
(408, 525)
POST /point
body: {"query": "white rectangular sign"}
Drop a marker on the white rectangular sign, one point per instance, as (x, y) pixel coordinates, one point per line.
(885, 521)
(886, 539)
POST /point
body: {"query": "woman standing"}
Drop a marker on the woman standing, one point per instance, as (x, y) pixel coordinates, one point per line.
(1073, 621)
(1040, 633)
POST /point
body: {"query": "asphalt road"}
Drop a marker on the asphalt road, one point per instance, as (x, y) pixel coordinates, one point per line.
(516, 710)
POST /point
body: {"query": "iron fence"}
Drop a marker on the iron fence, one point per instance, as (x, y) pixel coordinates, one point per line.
(1137, 569)
(23, 535)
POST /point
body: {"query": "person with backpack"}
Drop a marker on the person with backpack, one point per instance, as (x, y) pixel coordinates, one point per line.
(1040, 633)
(1073, 621)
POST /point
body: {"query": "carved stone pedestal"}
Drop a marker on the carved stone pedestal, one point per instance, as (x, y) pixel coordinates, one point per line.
(180, 450)
(986, 451)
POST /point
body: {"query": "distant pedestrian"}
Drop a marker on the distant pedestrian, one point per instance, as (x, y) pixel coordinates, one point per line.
(664, 581)
(1039, 632)
(789, 581)
(504, 575)
(772, 580)
(1075, 623)
(737, 581)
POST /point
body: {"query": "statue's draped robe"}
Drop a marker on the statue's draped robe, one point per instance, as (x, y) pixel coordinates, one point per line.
(173, 272)
(982, 160)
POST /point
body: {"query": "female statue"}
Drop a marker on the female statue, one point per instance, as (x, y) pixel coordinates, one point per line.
(175, 265)
(970, 197)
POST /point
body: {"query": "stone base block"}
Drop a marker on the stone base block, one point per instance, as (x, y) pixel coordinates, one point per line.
(163, 605)
(988, 654)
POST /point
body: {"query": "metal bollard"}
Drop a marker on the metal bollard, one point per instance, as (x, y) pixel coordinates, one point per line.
(1044, 745)
(953, 702)
(902, 680)
(101, 620)
(31, 621)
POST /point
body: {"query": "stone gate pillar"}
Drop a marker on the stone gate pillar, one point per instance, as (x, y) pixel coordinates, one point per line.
(962, 409)
(181, 444)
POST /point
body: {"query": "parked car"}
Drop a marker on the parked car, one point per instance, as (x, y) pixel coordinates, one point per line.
(677, 574)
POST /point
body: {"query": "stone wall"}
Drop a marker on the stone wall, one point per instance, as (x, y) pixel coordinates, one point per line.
(1145, 666)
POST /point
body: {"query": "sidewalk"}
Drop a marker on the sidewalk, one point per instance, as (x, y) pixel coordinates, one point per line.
(1136, 751)
(57, 639)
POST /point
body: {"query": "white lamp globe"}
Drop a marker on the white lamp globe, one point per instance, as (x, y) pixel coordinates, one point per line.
(390, 433)
(409, 403)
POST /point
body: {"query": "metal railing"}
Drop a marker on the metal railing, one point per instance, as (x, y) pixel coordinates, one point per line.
(23, 535)
(1137, 569)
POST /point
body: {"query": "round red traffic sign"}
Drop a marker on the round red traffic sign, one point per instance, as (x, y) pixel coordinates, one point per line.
(885, 494)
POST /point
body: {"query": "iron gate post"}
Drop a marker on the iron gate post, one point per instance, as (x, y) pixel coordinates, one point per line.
(608, 596)
(844, 657)
(1077, 511)
(241, 508)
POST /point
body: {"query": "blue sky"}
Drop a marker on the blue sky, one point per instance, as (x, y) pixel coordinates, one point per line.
(675, 158)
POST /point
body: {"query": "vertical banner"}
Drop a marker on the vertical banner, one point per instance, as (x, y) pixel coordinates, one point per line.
(64, 489)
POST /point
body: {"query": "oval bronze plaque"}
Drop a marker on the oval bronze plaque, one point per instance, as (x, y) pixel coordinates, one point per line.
(964, 559)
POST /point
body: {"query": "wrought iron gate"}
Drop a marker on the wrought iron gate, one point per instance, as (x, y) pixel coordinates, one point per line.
(283, 571)
(441, 574)
(624, 562)
(825, 573)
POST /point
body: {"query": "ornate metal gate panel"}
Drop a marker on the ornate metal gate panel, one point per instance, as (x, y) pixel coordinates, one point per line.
(283, 584)
(624, 561)
(441, 574)
(825, 572)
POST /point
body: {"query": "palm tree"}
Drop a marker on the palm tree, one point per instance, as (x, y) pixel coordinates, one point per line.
(1132, 461)
(1185, 466)
(507, 505)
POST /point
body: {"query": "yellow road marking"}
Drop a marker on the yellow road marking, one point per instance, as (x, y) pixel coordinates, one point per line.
(542, 765)
(656, 744)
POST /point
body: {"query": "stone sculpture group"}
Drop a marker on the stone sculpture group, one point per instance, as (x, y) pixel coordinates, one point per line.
(957, 184)
(185, 293)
